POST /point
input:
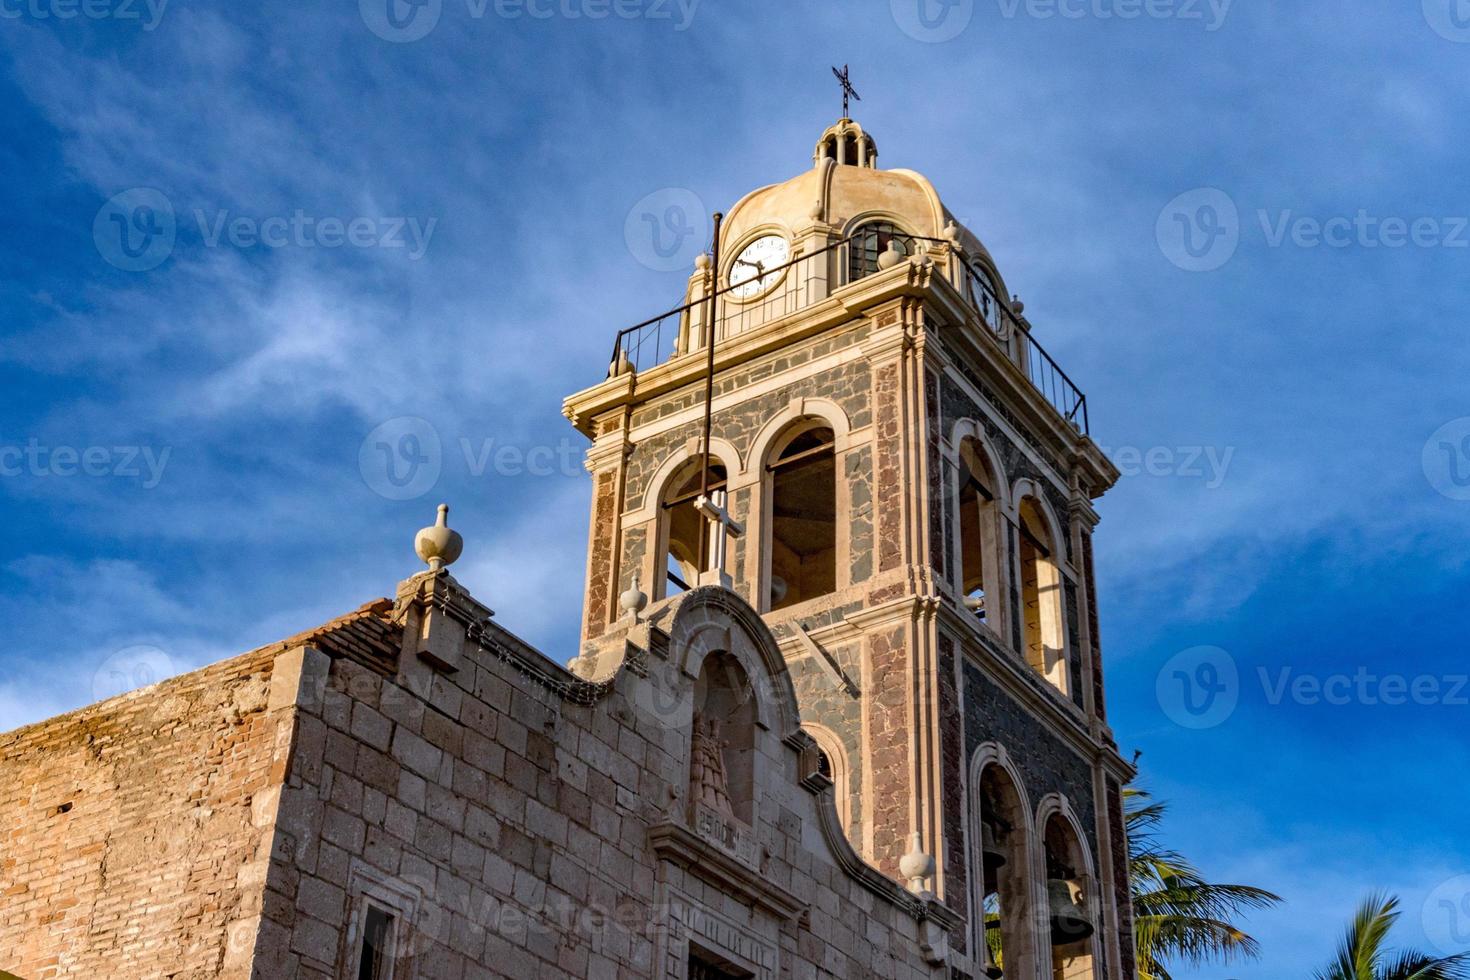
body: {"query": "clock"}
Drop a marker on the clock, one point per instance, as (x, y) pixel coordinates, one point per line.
(751, 272)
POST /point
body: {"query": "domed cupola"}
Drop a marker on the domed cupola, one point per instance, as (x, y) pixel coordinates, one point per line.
(846, 144)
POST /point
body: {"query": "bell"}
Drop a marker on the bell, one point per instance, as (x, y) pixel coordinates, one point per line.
(1069, 921)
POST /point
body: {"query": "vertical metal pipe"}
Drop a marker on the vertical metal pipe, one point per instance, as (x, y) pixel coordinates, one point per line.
(709, 369)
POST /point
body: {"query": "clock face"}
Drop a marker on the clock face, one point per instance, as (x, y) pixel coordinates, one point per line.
(750, 273)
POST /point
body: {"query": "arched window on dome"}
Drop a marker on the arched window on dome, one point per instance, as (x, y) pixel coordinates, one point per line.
(1041, 596)
(871, 240)
(685, 532)
(979, 534)
(802, 542)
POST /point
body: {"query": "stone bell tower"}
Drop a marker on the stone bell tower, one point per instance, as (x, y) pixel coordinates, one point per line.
(912, 479)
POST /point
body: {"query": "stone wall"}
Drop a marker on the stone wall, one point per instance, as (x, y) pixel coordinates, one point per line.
(535, 825)
(1045, 762)
(134, 833)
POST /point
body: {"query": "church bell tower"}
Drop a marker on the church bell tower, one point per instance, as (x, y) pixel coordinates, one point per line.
(899, 479)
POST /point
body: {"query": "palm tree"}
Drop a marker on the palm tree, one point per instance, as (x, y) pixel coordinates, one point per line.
(1177, 914)
(1364, 954)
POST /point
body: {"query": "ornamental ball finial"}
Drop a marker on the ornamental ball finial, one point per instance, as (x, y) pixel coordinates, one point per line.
(917, 865)
(438, 546)
(633, 601)
(891, 256)
(1016, 305)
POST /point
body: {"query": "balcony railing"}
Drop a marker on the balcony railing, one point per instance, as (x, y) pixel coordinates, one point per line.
(810, 278)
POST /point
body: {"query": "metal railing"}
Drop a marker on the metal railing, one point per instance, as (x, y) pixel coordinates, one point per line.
(811, 278)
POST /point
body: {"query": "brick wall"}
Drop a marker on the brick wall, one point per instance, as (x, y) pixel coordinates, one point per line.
(133, 833)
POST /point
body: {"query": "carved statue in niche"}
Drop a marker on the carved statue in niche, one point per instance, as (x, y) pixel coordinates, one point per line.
(707, 781)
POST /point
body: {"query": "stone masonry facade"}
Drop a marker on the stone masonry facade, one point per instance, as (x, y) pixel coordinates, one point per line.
(519, 820)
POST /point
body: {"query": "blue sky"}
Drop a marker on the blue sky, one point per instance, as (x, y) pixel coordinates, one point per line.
(183, 429)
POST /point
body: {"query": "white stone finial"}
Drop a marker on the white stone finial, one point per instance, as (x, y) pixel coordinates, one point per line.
(438, 546)
(890, 257)
(917, 865)
(1017, 306)
(952, 231)
(633, 601)
(701, 262)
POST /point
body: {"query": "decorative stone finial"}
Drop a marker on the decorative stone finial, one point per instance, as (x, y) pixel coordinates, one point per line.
(1016, 304)
(952, 231)
(633, 601)
(917, 865)
(817, 212)
(438, 546)
(891, 256)
(701, 261)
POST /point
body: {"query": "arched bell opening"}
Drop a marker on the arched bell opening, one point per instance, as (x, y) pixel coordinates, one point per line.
(980, 583)
(1005, 941)
(802, 542)
(1070, 920)
(1041, 596)
(684, 530)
